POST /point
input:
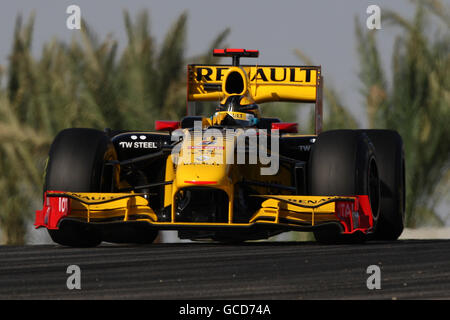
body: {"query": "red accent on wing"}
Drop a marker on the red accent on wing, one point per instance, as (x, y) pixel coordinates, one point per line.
(166, 125)
(286, 127)
(355, 215)
(55, 208)
(236, 52)
(219, 51)
(232, 50)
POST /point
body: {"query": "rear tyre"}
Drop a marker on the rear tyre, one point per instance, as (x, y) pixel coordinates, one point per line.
(391, 165)
(343, 162)
(75, 164)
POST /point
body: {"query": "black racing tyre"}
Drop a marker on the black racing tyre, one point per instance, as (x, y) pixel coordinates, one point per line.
(343, 162)
(76, 164)
(391, 166)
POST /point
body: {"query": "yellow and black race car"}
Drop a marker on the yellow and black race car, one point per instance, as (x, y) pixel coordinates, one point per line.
(234, 176)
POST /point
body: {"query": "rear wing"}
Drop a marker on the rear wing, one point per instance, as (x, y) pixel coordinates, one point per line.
(263, 83)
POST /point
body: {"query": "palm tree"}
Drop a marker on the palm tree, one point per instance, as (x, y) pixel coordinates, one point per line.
(416, 104)
(80, 84)
(336, 115)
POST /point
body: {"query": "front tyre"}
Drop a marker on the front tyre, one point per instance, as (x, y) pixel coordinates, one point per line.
(343, 162)
(391, 164)
(76, 164)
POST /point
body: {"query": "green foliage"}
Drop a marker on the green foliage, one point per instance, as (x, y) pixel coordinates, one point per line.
(335, 114)
(285, 111)
(86, 83)
(416, 104)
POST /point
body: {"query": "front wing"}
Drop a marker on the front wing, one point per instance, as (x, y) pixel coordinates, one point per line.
(301, 213)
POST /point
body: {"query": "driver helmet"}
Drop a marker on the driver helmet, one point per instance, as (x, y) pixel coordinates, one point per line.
(237, 110)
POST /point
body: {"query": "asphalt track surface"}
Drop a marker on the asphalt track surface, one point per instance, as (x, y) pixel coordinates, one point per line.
(410, 269)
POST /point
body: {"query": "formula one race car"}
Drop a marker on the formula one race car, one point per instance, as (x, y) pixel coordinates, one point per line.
(231, 177)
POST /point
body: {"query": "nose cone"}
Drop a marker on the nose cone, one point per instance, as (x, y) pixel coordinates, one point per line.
(201, 175)
(203, 162)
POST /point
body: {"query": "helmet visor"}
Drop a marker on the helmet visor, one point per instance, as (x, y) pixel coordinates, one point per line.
(240, 118)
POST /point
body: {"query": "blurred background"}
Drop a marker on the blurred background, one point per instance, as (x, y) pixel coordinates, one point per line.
(126, 67)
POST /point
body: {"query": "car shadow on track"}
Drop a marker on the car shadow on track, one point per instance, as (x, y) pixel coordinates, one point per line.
(277, 244)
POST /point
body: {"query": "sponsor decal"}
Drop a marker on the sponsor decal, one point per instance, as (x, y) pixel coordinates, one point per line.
(265, 74)
(206, 145)
(202, 158)
(138, 144)
(310, 201)
(305, 148)
(344, 209)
